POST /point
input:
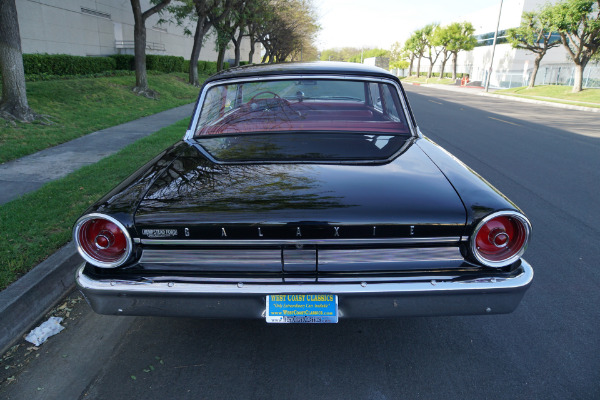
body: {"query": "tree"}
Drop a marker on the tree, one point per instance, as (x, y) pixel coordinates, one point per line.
(353, 54)
(241, 15)
(258, 13)
(331, 55)
(397, 57)
(291, 25)
(417, 43)
(410, 48)
(13, 103)
(230, 27)
(460, 38)
(534, 34)
(443, 38)
(431, 45)
(202, 13)
(578, 23)
(139, 37)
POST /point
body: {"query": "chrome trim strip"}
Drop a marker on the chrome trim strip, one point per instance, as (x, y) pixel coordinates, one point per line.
(200, 279)
(388, 259)
(280, 242)
(487, 283)
(190, 133)
(397, 279)
(215, 257)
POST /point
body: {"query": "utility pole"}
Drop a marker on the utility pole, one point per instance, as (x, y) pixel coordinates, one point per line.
(489, 77)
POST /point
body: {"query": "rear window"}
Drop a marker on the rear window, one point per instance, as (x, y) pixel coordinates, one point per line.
(302, 105)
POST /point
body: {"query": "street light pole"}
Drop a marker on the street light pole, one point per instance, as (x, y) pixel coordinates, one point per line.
(489, 77)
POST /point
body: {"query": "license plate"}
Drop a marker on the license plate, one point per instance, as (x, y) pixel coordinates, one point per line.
(302, 308)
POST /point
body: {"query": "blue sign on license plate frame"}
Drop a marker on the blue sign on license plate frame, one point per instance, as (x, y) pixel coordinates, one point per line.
(302, 308)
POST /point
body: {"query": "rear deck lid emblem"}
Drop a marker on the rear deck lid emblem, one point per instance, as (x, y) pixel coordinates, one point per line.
(159, 233)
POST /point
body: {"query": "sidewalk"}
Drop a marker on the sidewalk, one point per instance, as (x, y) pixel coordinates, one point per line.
(29, 173)
(30, 297)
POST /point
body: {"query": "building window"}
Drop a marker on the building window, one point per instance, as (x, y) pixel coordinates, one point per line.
(487, 39)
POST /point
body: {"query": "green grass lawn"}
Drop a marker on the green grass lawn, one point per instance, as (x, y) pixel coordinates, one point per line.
(39, 223)
(81, 106)
(558, 94)
(422, 79)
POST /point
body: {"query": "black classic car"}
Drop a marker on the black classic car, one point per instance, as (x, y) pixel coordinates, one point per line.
(303, 192)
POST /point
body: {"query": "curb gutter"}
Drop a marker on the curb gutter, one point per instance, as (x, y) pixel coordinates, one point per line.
(31, 296)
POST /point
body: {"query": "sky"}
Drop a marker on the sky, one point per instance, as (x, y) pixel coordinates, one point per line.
(379, 23)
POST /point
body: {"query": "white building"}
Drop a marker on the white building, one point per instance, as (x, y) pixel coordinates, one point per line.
(104, 27)
(511, 67)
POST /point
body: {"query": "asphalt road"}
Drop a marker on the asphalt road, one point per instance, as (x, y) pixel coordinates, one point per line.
(545, 159)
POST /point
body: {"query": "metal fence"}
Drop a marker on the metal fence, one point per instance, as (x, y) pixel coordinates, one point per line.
(548, 74)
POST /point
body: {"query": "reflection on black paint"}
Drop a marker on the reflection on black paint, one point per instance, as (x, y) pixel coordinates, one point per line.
(238, 187)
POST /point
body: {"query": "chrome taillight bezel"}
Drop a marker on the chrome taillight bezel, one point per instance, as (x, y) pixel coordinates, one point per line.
(89, 258)
(498, 264)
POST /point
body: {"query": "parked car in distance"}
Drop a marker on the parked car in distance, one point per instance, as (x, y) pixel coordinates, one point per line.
(303, 192)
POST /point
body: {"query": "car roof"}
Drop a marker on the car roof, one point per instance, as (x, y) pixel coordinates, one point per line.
(302, 68)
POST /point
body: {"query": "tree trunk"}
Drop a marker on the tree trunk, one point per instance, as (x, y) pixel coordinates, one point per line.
(201, 28)
(220, 58)
(430, 71)
(264, 59)
(418, 66)
(443, 68)
(237, 42)
(454, 57)
(251, 53)
(578, 78)
(236, 52)
(536, 66)
(139, 38)
(13, 103)
(139, 35)
(410, 66)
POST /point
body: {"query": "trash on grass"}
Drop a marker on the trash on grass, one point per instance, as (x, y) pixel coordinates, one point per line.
(49, 328)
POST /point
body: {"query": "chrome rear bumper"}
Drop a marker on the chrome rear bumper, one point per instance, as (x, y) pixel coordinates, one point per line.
(487, 295)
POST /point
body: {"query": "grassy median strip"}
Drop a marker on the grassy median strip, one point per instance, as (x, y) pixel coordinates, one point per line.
(556, 94)
(81, 106)
(39, 223)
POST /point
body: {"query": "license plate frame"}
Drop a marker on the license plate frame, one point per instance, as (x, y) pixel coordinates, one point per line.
(302, 308)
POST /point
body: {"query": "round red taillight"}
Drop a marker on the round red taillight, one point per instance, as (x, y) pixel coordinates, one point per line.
(500, 238)
(102, 240)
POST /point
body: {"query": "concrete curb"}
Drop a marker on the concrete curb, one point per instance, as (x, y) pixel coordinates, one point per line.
(31, 296)
(547, 103)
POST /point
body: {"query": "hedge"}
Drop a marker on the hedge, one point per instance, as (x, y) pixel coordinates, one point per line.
(153, 62)
(63, 64)
(124, 61)
(50, 66)
(204, 67)
(164, 63)
(447, 75)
